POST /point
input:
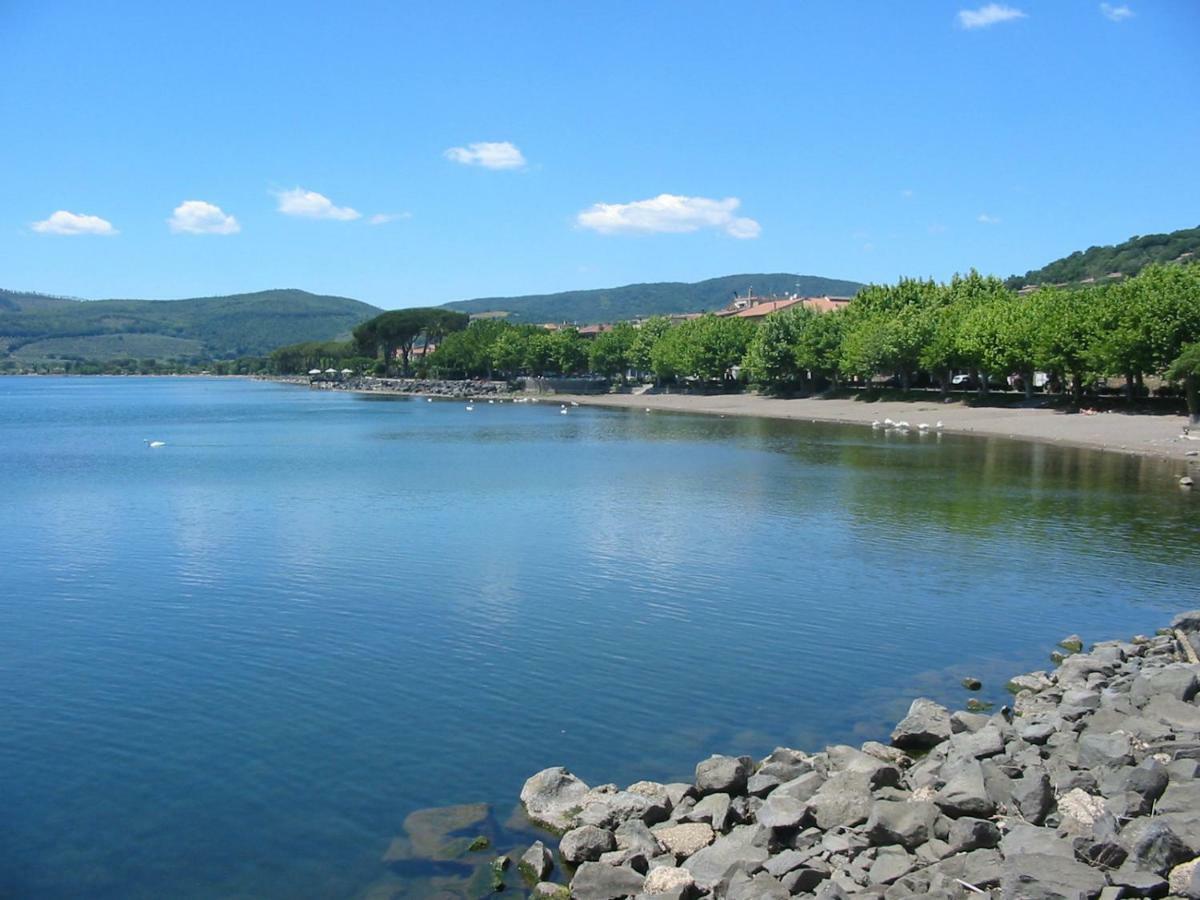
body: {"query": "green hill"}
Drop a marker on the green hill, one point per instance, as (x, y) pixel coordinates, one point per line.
(636, 300)
(1128, 258)
(35, 327)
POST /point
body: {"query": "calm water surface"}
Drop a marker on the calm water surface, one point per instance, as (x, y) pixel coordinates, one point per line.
(232, 666)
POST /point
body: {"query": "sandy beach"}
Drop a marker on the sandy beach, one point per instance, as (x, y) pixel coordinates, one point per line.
(1147, 435)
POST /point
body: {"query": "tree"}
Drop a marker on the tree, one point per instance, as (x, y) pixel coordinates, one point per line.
(818, 345)
(567, 352)
(609, 353)
(648, 334)
(1065, 333)
(886, 328)
(771, 356)
(1186, 368)
(397, 331)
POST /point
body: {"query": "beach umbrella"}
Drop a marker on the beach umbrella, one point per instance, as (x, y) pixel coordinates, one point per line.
(331, 371)
(347, 371)
(314, 371)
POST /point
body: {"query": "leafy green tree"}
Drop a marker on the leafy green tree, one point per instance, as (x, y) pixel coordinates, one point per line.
(818, 345)
(397, 332)
(886, 328)
(648, 334)
(567, 352)
(508, 351)
(1065, 333)
(771, 355)
(1186, 368)
(609, 353)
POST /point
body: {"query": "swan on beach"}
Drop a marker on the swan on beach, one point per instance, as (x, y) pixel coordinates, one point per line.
(574, 403)
(876, 424)
(150, 443)
(647, 409)
(903, 426)
(888, 422)
(923, 426)
(938, 426)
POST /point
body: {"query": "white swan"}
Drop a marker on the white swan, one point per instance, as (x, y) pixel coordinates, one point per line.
(470, 408)
(150, 443)
(938, 426)
(888, 422)
(491, 401)
(903, 426)
(563, 411)
(876, 424)
(574, 403)
(923, 426)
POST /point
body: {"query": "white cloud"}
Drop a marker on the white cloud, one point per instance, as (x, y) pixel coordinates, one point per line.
(668, 213)
(992, 14)
(489, 154)
(985, 219)
(384, 218)
(63, 222)
(1115, 13)
(311, 205)
(198, 217)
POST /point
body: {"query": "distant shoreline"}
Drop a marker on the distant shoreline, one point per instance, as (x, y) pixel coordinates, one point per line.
(1156, 436)
(1159, 436)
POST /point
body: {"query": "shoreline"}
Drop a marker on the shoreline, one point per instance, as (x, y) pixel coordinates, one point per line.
(1155, 436)
(1159, 436)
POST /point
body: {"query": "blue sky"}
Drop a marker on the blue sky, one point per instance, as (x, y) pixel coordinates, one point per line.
(229, 147)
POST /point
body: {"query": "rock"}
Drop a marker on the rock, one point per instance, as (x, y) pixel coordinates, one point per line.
(713, 809)
(1021, 840)
(801, 788)
(1154, 845)
(782, 811)
(890, 863)
(1138, 883)
(972, 684)
(1179, 680)
(536, 861)
(985, 742)
(1149, 779)
(1072, 643)
(723, 774)
(1043, 876)
(634, 835)
(1080, 810)
(966, 794)
(1034, 682)
(552, 796)
(548, 890)
(684, 840)
(1175, 713)
(908, 824)
(759, 785)
(608, 810)
(1097, 750)
(785, 764)
(1187, 621)
(1038, 733)
(1033, 795)
(668, 879)
(585, 844)
(803, 881)
(968, 834)
(757, 887)
(1182, 880)
(979, 867)
(845, 799)
(745, 845)
(967, 721)
(926, 725)
(600, 881)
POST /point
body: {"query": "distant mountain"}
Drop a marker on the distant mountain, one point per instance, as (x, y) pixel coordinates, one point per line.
(657, 298)
(1128, 258)
(36, 327)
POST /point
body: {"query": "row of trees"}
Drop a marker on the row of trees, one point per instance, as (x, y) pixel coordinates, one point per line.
(914, 329)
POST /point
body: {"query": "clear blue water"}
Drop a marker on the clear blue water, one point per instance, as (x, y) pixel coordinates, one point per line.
(231, 666)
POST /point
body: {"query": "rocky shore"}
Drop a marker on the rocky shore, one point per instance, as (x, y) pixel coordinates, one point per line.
(1088, 786)
(417, 387)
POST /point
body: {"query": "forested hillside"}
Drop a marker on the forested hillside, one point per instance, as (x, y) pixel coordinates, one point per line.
(1127, 258)
(657, 298)
(36, 327)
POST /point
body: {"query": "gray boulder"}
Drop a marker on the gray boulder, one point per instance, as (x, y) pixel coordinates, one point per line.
(845, 799)
(537, 861)
(755, 887)
(668, 880)
(1179, 680)
(745, 846)
(600, 881)
(634, 835)
(713, 809)
(802, 787)
(985, 742)
(1176, 714)
(610, 809)
(723, 774)
(585, 844)
(785, 764)
(907, 823)
(890, 863)
(686, 839)
(968, 834)
(1033, 795)
(782, 811)
(551, 796)
(926, 725)
(1154, 845)
(1104, 750)
(1044, 876)
(966, 794)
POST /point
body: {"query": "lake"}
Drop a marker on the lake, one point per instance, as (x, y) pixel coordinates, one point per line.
(234, 664)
